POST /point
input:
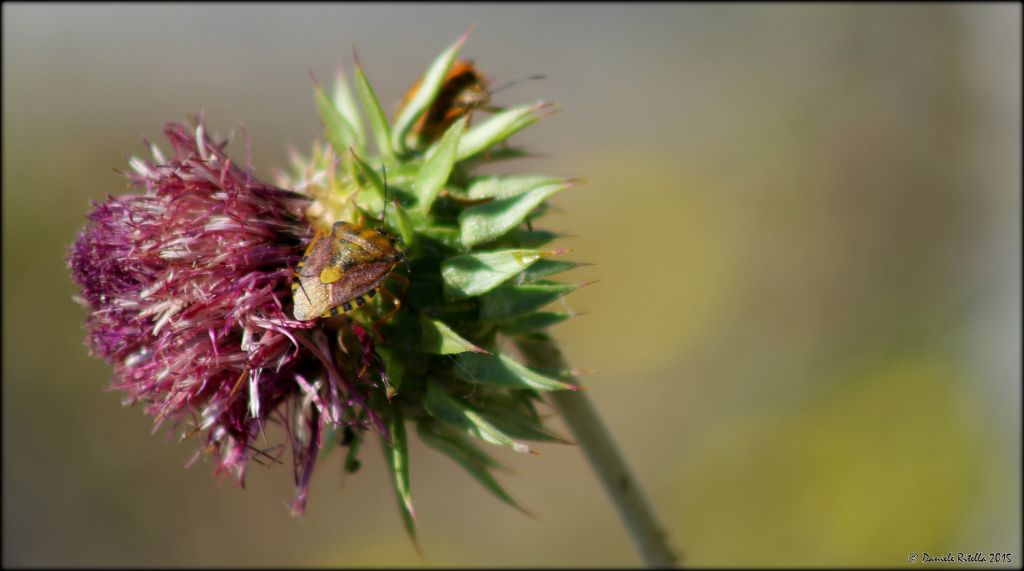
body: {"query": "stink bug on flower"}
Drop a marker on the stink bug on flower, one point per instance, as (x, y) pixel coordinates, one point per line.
(343, 270)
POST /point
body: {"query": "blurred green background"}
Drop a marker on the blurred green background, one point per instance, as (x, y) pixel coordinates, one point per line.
(806, 220)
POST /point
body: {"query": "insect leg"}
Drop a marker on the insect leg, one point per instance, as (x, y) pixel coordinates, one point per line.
(403, 280)
(397, 305)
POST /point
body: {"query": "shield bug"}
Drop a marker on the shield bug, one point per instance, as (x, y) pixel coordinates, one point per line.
(342, 270)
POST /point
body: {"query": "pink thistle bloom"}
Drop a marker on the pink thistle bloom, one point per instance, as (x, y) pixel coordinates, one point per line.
(187, 285)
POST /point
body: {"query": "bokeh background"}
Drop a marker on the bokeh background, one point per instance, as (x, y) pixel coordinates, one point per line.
(807, 224)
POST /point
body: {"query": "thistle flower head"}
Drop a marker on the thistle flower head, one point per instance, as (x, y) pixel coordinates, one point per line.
(187, 283)
(424, 268)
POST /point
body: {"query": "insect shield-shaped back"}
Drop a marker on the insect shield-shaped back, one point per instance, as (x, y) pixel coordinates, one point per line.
(342, 270)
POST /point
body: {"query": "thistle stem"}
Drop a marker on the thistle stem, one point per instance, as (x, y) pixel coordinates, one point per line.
(586, 426)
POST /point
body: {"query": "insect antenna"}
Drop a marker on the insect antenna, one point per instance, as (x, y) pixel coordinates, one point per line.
(508, 84)
(384, 212)
(504, 86)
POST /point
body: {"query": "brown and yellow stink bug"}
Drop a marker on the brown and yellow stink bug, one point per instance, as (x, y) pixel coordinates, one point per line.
(342, 271)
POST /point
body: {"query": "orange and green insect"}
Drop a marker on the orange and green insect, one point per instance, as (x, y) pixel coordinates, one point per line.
(463, 90)
(342, 271)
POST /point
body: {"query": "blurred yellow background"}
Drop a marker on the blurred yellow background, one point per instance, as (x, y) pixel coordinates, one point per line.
(806, 220)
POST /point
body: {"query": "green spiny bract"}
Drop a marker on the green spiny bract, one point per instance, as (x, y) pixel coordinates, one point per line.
(477, 268)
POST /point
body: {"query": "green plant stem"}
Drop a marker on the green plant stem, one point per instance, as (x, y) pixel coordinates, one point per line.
(581, 417)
